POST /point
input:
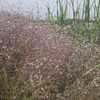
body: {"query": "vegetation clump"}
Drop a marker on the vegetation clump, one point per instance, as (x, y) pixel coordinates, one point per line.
(41, 61)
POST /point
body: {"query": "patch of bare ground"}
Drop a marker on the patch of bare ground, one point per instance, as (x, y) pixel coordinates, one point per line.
(44, 64)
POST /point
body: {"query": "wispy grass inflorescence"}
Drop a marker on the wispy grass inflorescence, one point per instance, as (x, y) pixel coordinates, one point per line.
(39, 61)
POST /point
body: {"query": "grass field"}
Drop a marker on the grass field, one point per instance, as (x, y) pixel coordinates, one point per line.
(52, 59)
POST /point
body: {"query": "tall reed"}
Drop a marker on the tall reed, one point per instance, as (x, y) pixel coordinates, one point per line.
(87, 10)
(61, 11)
(49, 13)
(73, 9)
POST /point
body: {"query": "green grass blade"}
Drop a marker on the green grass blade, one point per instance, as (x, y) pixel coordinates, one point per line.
(75, 93)
(5, 76)
(95, 67)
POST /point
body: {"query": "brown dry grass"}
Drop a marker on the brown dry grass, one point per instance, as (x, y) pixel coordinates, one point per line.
(45, 65)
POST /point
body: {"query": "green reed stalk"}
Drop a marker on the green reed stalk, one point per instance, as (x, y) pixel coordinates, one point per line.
(92, 69)
(83, 11)
(98, 9)
(48, 8)
(77, 13)
(75, 93)
(5, 76)
(49, 14)
(72, 3)
(61, 11)
(6, 79)
(87, 10)
(57, 10)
